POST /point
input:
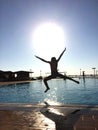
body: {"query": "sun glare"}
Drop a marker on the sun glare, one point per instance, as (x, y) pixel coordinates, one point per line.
(48, 40)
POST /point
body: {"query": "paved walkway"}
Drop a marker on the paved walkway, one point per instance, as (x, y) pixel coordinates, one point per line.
(45, 117)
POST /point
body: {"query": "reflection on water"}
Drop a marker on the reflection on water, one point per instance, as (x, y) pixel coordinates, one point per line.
(61, 91)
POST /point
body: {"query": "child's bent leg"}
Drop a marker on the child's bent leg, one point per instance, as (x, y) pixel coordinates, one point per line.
(46, 84)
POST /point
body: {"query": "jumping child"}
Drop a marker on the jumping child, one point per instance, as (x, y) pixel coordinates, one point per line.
(54, 71)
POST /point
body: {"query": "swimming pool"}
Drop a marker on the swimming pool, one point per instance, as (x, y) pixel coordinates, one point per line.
(62, 91)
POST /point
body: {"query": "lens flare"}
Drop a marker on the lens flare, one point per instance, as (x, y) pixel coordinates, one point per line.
(48, 40)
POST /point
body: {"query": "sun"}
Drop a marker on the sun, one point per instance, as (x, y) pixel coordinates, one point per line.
(48, 40)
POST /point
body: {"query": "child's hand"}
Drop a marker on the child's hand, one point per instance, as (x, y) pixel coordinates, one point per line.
(36, 56)
(65, 49)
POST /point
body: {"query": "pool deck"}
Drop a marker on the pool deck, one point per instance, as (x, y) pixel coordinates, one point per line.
(15, 116)
(15, 82)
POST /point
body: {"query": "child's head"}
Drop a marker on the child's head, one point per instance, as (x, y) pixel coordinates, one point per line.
(53, 59)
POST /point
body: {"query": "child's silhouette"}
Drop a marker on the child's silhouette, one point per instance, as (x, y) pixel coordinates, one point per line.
(54, 72)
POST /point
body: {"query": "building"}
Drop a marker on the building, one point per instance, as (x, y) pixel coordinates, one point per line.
(14, 76)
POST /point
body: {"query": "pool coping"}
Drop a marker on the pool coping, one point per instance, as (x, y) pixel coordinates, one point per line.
(29, 106)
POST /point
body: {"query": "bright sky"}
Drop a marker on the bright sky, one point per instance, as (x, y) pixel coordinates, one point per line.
(77, 18)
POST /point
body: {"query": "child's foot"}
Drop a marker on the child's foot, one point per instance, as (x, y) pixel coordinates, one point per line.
(77, 82)
(46, 90)
(65, 78)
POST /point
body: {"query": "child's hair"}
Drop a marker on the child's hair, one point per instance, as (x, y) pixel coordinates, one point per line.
(53, 59)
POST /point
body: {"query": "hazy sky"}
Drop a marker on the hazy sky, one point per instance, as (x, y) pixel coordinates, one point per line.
(78, 18)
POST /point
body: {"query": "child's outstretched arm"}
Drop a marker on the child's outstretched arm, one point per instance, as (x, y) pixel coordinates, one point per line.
(42, 59)
(61, 54)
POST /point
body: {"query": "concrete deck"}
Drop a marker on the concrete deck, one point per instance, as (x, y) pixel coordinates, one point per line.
(45, 117)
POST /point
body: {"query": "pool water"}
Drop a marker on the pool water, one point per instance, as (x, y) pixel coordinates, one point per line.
(62, 91)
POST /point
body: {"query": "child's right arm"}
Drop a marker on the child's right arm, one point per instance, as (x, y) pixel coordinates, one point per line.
(42, 59)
